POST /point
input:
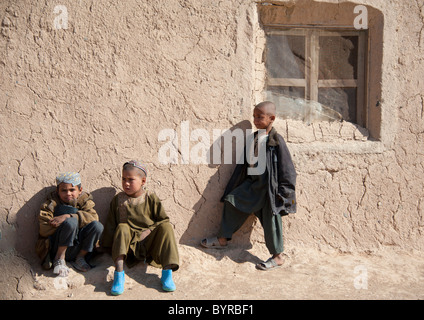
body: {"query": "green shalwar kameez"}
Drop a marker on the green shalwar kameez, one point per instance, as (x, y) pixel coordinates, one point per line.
(252, 197)
(128, 218)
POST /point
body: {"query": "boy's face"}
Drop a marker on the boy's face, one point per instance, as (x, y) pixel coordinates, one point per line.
(132, 183)
(68, 193)
(261, 119)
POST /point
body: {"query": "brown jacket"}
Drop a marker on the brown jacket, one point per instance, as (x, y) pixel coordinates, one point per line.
(85, 215)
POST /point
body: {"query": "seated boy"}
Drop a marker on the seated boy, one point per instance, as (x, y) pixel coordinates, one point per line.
(138, 229)
(268, 195)
(68, 226)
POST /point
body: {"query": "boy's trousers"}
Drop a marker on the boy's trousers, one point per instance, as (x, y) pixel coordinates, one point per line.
(68, 234)
(233, 219)
(159, 248)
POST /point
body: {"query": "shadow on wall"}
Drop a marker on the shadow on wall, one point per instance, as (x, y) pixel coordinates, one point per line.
(27, 224)
(206, 220)
(27, 218)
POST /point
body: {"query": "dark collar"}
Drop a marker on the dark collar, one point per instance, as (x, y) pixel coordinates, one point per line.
(273, 138)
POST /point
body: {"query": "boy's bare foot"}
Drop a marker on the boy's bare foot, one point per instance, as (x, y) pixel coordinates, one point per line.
(222, 241)
(214, 242)
(278, 258)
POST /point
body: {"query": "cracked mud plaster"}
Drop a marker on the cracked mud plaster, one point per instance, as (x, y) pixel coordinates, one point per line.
(92, 96)
(15, 277)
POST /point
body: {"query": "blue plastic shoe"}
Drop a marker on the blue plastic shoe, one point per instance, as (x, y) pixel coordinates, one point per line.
(167, 282)
(118, 283)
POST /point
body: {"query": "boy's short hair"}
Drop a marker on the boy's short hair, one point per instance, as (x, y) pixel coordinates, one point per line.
(73, 178)
(268, 106)
(129, 165)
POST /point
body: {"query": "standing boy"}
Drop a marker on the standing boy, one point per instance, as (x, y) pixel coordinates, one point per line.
(268, 195)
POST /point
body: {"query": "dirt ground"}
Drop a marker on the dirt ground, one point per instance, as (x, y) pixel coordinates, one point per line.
(230, 274)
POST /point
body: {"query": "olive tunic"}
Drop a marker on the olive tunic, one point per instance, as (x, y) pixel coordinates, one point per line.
(128, 218)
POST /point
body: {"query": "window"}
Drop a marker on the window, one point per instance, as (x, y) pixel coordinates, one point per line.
(317, 73)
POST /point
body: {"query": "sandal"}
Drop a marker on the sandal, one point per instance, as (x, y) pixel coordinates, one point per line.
(47, 263)
(60, 268)
(267, 265)
(212, 243)
(81, 265)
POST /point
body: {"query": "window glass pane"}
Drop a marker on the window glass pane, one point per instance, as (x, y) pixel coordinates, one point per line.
(285, 56)
(295, 107)
(294, 92)
(341, 100)
(338, 57)
(285, 99)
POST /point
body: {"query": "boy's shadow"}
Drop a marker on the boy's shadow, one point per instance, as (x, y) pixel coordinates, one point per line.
(27, 225)
(206, 220)
(102, 198)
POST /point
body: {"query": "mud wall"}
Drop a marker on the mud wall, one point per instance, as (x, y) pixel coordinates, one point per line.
(90, 94)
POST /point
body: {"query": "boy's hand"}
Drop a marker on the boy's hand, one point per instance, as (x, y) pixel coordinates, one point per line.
(57, 221)
(144, 234)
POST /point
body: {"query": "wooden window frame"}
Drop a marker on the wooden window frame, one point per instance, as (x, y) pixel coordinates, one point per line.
(312, 83)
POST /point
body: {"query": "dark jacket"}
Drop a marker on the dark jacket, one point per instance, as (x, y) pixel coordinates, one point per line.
(281, 175)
